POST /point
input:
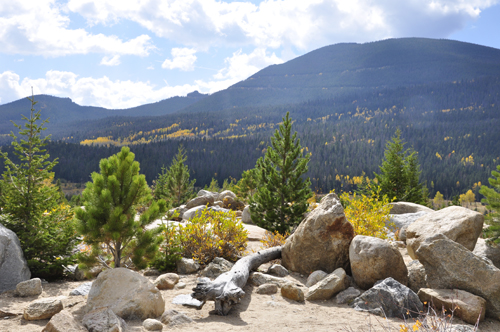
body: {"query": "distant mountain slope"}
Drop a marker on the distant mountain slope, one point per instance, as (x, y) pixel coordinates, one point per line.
(64, 110)
(343, 68)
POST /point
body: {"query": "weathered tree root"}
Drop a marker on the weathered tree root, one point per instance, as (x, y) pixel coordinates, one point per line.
(227, 290)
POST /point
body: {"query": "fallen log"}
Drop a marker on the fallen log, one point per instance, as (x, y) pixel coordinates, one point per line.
(227, 290)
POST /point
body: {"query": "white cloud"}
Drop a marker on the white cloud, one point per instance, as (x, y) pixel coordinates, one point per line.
(277, 23)
(39, 27)
(110, 61)
(182, 58)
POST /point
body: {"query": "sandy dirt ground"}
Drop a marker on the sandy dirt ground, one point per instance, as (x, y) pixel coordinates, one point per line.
(256, 313)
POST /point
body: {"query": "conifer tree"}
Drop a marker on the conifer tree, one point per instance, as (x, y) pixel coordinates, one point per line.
(247, 185)
(281, 198)
(173, 184)
(492, 201)
(108, 222)
(399, 173)
(31, 201)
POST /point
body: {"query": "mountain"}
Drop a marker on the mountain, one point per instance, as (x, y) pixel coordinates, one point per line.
(63, 110)
(340, 69)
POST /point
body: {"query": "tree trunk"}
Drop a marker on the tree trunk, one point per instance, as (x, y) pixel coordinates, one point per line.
(227, 290)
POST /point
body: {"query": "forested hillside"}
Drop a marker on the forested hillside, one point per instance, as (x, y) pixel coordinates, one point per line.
(443, 95)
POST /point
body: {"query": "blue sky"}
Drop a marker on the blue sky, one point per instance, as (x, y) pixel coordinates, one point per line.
(124, 53)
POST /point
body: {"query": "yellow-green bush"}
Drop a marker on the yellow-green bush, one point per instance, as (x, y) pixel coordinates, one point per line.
(274, 239)
(213, 234)
(367, 214)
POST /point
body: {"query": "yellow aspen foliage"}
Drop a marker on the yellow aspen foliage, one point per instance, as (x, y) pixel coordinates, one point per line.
(438, 199)
(368, 215)
(468, 197)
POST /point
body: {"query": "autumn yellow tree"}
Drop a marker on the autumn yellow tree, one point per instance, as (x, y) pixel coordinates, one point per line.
(467, 198)
(438, 200)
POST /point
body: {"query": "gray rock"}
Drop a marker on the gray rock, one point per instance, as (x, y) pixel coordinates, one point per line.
(64, 322)
(174, 318)
(13, 266)
(82, 290)
(292, 292)
(166, 281)
(328, 287)
(217, 267)
(43, 308)
(449, 265)
(347, 296)
(374, 259)
(226, 193)
(245, 216)
(188, 301)
(466, 306)
(151, 272)
(389, 298)
(321, 241)
(152, 325)
(267, 289)
(278, 270)
(126, 292)
(32, 287)
(459, 224)
(187, 266)
(103, 320)
(199, 201)
(491, 252)
(257, 279)
(416, 276)
(315, 277)
(213, 195)
(406, 219)
(406, 207)
(180, 285)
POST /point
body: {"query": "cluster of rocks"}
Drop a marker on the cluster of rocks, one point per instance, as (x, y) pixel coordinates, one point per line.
(223, 201)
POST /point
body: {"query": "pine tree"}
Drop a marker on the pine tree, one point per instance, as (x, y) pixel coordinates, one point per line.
(281, 198)
(173, 184)
(109, 223)
(399, 173)
(31, 201)
(247, 186)
(492, 201)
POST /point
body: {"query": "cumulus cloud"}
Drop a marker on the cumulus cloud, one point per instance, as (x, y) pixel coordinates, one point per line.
(182, 58)
(276, 23)
(40, 27)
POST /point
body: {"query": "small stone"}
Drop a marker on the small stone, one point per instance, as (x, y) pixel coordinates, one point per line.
(332, 284)
(217, 267)
(315, 277)
(187, 266)
(174, 318)
(180, 285)
(347, 296)
(32, 287)
(166, 281)
(43, 308)
(64, 322)
(267, 289)
(151, 272)
(292, 292)
(82, 290)
(152, 325)
(278, 270)
(188, 301)
(258, 279)
(103, 319)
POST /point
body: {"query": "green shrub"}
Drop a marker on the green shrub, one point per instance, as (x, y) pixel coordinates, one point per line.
(170, 250)
(213, 234)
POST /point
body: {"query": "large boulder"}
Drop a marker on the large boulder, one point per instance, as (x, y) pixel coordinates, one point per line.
(213, 195)
(491, 252)
(328, 287)
(64, 322)
(127, 293)
(402, 221)
(449, 265)
(407, 207)
(465, 305)
(389, 298)
(321, 242)
(13, 266)
(416, 276)
(459, 224)
(43, 308)
(374, 259)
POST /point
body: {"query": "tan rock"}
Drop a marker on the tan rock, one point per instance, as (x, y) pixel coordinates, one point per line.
(374, 259)
(103, 320)
(64, 322)
(32, 287)
(328, 287)
(173, 318)
(166, 281)
(43, 308)
(127, 293)
(199, 201)
(292, 292)
(459, 224)
(321, 242)
(466, 306)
